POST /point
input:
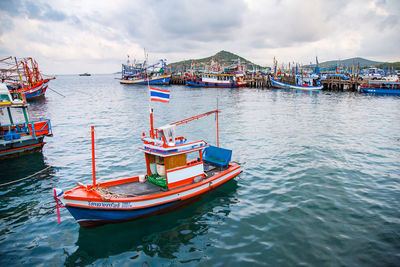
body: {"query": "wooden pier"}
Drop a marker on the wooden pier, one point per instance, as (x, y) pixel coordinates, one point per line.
(258, 81)
(177, 79)
(263, 82)
(340, 84)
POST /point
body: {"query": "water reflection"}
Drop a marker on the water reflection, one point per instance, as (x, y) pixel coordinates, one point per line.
(24, 177)
(161, 235)
(18, 167)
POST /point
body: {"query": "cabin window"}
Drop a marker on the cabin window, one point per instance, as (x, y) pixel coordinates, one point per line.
(4, 117)
(193, 157)
(17, 115)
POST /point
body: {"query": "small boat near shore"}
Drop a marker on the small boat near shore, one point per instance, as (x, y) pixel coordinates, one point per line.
(18, 133)
(178, 171)
(381, 87)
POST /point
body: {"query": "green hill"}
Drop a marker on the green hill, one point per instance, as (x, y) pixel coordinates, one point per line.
(394, 65)
(223, 58)
(349, 62)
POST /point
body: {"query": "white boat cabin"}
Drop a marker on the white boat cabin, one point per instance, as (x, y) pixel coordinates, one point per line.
(173, 161)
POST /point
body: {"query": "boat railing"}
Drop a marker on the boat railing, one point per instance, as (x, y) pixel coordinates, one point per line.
(34, 128)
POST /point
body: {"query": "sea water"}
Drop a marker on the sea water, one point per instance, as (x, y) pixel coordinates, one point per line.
(320, 183)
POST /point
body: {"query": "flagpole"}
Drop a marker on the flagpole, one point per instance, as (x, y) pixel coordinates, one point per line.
(217, 125)
(150, 107)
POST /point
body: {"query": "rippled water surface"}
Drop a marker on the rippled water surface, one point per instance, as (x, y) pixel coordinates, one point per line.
(320, 186)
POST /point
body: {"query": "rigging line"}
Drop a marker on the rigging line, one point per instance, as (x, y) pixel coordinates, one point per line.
(56, 92)
(16, 181)
(25, 210)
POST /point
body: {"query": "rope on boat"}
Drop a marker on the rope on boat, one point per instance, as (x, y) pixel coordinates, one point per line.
(56, 92)
(16, 181)
(25, 210)
(106, 194)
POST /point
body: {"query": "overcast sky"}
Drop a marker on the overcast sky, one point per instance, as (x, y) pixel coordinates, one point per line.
(74, 36)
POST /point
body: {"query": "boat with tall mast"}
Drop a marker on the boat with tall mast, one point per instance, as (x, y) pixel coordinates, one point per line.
(177, 171)
(23, 75)
(140, 73)
(296, 79)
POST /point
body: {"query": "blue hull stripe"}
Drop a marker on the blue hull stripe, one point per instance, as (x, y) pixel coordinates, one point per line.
(84, 214)
(156, 81)
(160, 81)
(36, 93)
(381, 91)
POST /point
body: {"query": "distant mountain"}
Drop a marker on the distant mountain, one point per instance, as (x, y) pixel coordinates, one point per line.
(394, 65)
(349, 62)
(223, 58)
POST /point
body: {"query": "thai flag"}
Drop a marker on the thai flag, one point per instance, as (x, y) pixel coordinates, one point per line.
(159, 95)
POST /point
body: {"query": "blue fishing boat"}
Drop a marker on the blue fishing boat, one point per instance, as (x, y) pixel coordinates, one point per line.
(381, 87)
(298, 82)
(143, 74)
(18, 133)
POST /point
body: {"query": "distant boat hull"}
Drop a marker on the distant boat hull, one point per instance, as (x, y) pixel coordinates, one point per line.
(380, 91)
(158, 80)
(381, 87)
(36, 91)
(18, 147)
(279, 85)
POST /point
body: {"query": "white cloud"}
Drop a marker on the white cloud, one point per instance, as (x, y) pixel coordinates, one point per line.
(95, 36)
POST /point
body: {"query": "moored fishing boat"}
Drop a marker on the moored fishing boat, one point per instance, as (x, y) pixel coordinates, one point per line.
(142, 79)
(299, 82)
(215, 80)
(296, 79)
(141, 74)
(177, 172)
(381, 87)
(18, 133)
(35, 90)
(23, 75)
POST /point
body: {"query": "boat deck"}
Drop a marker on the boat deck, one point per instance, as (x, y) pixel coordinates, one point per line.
(134, 189)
